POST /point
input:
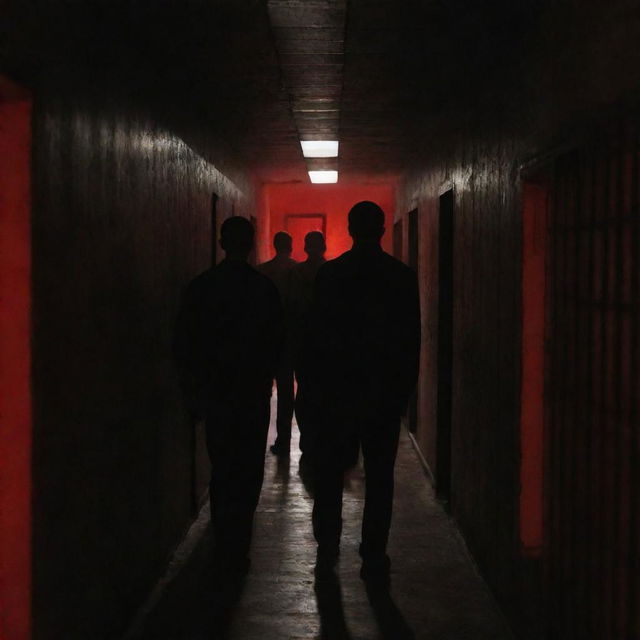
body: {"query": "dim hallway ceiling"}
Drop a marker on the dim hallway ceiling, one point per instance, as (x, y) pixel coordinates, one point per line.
(261, 75)
(502, 140)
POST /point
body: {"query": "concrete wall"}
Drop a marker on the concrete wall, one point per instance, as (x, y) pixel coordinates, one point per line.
(121, 222)
(580, 65)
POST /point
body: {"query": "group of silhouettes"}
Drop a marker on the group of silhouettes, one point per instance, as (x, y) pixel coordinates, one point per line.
(348, 329)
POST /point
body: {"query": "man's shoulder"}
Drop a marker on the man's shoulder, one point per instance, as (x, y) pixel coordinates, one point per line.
(259, 276)
(265, 266)
(226, 281)
(397, 266)
(261, 283)
(349, 259)
(336, 265)
(202, 280)
(277, 267)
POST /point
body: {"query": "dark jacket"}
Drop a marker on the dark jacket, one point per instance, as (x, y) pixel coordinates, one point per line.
(365, 338)
(229, 334)
(279, 270)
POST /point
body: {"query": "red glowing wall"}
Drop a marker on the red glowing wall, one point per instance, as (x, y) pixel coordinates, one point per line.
(332, 200)
(15, 361)
(532, 402)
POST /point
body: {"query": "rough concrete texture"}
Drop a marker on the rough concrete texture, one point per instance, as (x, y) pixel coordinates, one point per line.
(436, 592)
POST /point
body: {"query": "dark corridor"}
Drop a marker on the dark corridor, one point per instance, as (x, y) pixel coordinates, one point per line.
(131, 131)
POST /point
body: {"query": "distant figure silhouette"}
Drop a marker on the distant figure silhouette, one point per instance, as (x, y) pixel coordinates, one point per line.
(228, 341)
(302, 281)
(279, 271)
(365, 340)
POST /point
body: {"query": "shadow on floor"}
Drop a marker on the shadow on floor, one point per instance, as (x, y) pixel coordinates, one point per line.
(220, 606)
(390, 620)
(434, 585)
(333, 624)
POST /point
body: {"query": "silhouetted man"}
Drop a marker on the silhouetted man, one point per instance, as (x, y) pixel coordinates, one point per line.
(279, 271)
(228, 341)
(303, 278)
(366, 339)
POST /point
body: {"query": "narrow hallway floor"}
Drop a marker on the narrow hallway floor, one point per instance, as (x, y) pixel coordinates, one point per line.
(436, 593)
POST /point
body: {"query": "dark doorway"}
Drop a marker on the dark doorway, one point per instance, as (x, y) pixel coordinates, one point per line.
(214, 229)
(532, 401)
(445, 345)
(412, 412)
(397, 240)
(253, 259)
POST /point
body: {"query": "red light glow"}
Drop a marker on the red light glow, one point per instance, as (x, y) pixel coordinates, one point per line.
(334, 201)
(15, 359)
(532, 407)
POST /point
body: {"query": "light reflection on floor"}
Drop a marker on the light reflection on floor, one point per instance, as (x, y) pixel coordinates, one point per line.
(435, 592)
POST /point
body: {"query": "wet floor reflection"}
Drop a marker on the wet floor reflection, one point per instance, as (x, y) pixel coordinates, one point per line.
(435, 592)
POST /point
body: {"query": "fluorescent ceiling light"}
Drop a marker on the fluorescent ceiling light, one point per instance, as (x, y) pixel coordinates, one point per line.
(323, 177)
(319, 148)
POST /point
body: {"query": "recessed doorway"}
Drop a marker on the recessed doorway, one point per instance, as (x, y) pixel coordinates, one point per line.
(412, 412)
(445, 345)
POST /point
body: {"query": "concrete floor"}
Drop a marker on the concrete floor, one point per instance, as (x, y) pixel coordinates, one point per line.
(435, 594)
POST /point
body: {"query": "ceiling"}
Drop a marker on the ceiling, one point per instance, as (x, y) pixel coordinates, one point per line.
(379, 75)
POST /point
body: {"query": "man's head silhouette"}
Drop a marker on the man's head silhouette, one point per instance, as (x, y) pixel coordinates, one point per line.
(366, 221)
(314, 244)
(236, 237)
(283, 243)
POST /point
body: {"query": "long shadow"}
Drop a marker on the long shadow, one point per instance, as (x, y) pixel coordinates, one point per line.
(221, 603)
(305, 471)
(391, 622)
(283, 464)
(333, 625)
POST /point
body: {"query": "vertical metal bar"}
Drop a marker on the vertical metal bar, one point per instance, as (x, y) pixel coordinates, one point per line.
(622, 579)
(604, 596)
(579, 400)
(549, 400)
(555, 497)
(612, 409)
(633, 611)
(596, 341)
(551, 409)
(570, 399)
(563, 427)
(617, 315)
(590, 413)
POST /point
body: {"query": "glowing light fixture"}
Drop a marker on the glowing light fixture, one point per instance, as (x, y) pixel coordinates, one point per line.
(323, 177)
(319, 148)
